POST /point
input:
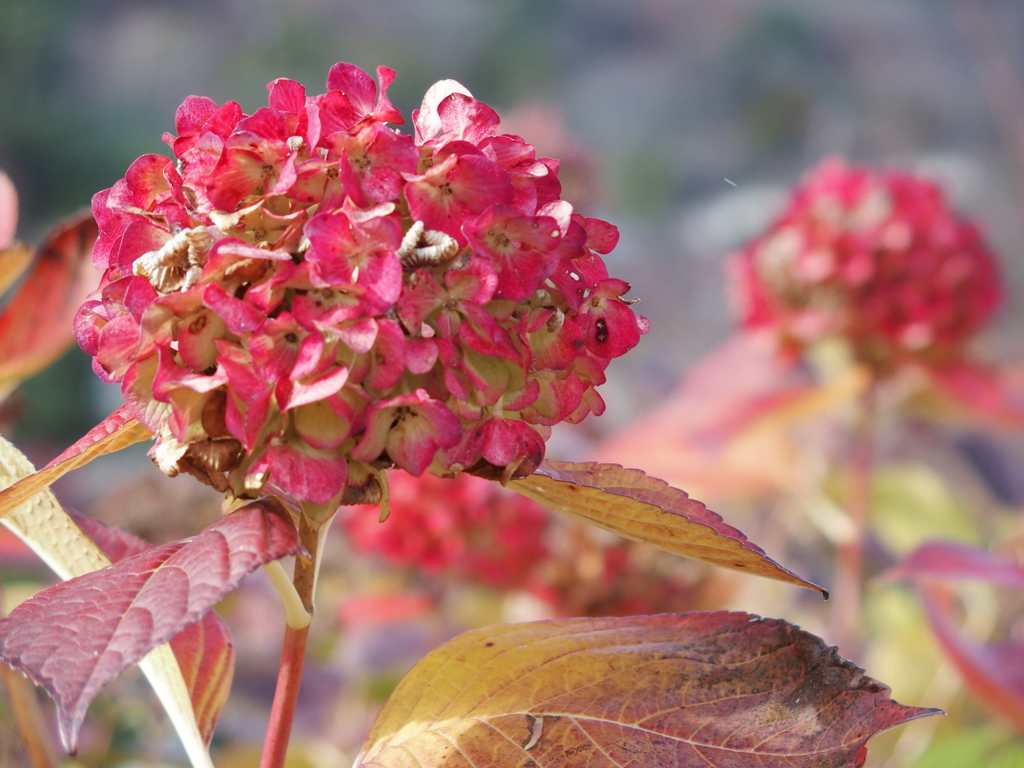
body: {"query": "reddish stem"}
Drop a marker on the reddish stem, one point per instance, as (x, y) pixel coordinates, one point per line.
(849, 569)
(289, 676)
(282, 713)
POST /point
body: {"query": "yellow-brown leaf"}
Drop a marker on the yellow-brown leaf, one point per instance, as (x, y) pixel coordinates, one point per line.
(642, 508)
(117, 431)
(686, 691)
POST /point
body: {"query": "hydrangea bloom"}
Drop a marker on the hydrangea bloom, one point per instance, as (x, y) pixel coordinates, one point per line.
(304, 295)
(472, 529)
(466, 527)
(876, 258)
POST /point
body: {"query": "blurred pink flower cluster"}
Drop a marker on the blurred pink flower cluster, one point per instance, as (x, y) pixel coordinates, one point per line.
(876, 258)
(471, 529)
(304, 295)
(466, 527)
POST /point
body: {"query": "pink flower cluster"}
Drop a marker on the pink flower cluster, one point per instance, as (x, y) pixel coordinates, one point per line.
(465, 527)
(304, 295)
(876, 258)
(468, 528)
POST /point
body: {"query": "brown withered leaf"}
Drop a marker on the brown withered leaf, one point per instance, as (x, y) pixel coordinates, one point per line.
(75, 637)
(119, 430)
(35, 325)
(697, 690)
(642, 508)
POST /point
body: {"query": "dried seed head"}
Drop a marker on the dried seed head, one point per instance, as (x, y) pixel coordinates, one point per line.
(178, 265)
(426, 248)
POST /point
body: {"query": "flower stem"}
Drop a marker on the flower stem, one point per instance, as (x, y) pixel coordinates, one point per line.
(849, 567)
(295, 614)
(279, 729)
(293, 654)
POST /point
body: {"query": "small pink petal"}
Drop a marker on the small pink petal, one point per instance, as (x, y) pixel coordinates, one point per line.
(420, 355)
(302, 472)
(239, 316)
(286, 95)
(316, 388)
(411, 428)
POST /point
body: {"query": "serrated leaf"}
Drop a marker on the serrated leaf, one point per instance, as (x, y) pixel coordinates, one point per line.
(119, 430)
(35, 325)
(642, 508)
(687, 691)
(76, 636)
(50, 532)
(204, 650)
(993, 671)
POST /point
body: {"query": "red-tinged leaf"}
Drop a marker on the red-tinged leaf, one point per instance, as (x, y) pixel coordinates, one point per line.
(696, 438)
(952, 561)
(77, 636)
(696, 690)
(53, 535)
(205, 651)
(993, 671)
(206, 655)
(119, 430)
(992, 395)
(642, 508)
(35, 326)
(116, 542)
